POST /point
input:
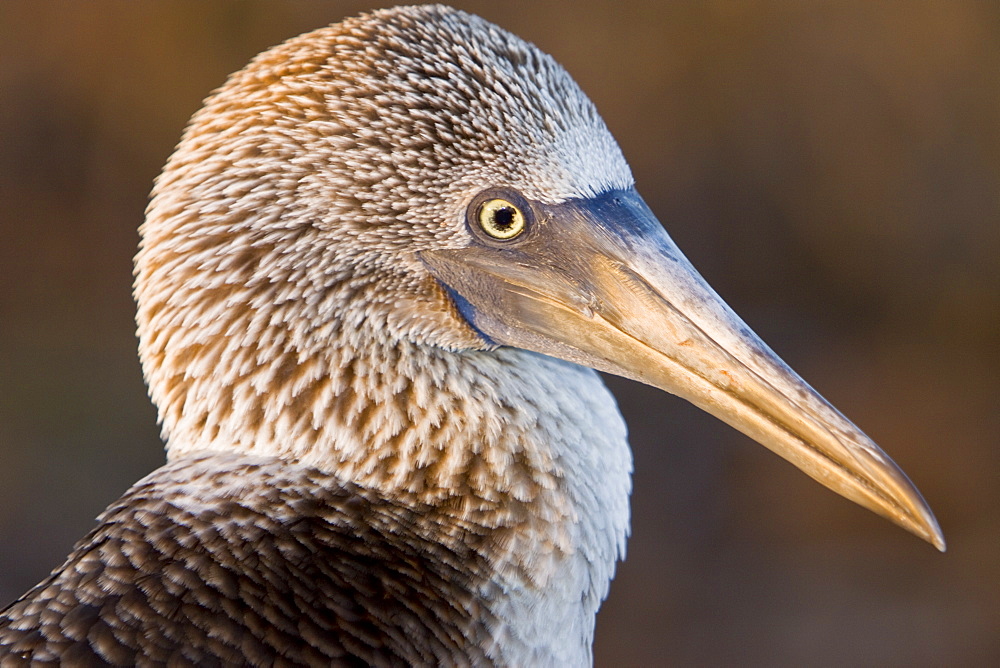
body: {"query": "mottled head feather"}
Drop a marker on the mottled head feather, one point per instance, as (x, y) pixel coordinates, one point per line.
(287, 221)
(283, 311)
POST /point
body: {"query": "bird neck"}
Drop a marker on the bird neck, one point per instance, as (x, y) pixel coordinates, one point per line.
(524, 446)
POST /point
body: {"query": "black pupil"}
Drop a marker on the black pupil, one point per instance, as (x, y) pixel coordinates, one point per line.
(503, 218)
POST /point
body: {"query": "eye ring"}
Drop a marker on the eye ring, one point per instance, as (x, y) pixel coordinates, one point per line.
(501, 219)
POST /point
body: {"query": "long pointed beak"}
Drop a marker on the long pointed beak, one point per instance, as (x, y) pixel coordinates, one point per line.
(599, 282)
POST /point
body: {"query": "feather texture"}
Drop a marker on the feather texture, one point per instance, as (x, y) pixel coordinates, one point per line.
(254, 560)
(355, 476)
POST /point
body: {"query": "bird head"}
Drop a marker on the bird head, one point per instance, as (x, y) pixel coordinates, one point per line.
(455, 182)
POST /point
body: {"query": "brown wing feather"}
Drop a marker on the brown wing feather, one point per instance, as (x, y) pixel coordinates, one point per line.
(233, 561)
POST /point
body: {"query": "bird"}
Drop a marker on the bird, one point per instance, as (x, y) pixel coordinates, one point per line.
(376, 282)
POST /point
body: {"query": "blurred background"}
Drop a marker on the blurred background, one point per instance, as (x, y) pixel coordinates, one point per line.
(832, 168)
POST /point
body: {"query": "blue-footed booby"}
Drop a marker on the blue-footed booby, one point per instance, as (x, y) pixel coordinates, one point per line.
(374, 282)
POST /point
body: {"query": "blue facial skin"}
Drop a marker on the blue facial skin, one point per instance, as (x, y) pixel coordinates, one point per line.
(468, 312)
(622, 213)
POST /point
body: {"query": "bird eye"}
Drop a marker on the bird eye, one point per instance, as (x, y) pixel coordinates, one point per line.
(500, 219)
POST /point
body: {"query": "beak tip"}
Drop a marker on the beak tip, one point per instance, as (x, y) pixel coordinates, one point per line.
(937, 538)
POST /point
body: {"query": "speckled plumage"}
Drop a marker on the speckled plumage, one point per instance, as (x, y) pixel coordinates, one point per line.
(366, 465)
(305, 570)
(355, 475)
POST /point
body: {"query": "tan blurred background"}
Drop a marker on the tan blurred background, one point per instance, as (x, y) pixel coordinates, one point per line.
(833, 168)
